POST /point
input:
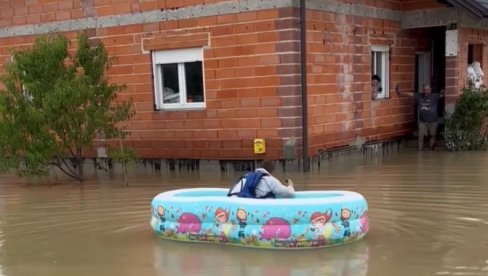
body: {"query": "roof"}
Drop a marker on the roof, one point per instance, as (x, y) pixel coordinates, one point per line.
(475, 8)
(483, 2)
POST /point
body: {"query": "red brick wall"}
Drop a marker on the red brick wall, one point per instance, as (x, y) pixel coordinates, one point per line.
(405, 5)
(40, 11)
(251, 79)
(385, 4)
(471, 36)
(252, 75)
(247, 69)
(456, 66)
(453, 79)
(341, 108)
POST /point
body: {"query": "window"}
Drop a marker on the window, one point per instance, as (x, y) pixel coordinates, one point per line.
(380, 69)
(178, 79)
(475, 53)
(475, 63)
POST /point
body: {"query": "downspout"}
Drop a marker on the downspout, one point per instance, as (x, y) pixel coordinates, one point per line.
(303, 55)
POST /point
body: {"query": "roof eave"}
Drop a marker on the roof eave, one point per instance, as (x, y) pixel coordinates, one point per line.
(471, 7)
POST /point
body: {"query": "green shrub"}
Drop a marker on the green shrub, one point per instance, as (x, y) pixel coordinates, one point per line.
(55, 103)
(467, 126)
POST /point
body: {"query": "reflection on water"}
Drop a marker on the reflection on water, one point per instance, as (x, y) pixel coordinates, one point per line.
(172, 258)
(428, 215)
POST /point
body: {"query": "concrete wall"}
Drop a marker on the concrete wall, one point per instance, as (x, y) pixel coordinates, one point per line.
(411, 5)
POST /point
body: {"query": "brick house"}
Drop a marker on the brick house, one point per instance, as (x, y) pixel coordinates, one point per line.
(210, 76)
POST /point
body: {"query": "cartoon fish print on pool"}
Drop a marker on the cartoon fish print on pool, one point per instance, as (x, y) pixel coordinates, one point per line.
(276, 228)
(241, 216)
(189, 223)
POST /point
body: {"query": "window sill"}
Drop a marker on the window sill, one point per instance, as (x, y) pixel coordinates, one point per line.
(379, 99)
(179, 107)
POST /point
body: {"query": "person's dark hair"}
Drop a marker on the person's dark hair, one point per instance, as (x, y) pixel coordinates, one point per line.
(376, 77)
(268, 165)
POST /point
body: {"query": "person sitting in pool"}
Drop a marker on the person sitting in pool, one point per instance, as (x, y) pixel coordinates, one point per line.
(261, 184)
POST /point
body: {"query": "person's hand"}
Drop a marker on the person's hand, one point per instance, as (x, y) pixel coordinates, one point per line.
(288, 182)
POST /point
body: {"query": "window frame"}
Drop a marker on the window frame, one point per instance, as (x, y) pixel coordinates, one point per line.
(384, 51)
(179, 57)
(475, 53)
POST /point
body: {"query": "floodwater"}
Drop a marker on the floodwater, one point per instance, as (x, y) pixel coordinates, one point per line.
(428, 216)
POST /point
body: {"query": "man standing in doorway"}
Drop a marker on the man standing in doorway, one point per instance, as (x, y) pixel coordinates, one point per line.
(427, 114)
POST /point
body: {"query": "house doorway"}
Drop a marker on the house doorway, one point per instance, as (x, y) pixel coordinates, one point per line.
(423, 69)
(430, 66)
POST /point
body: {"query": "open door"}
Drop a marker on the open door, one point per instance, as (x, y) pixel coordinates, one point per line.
(423, 66)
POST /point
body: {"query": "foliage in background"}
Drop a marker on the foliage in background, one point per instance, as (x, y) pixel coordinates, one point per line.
(124, 156)
(55, 103)
(467, 127)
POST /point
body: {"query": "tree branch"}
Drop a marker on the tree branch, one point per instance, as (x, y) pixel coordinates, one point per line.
(67, 166)
(68, 173)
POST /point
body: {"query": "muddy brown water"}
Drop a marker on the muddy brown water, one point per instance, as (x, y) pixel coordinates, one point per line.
(428, 215)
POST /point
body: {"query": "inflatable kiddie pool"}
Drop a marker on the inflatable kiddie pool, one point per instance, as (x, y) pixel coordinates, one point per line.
(311, 219)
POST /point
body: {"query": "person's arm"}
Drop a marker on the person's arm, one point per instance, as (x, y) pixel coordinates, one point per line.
(279, 189)
(236, 188)
(402, 93)
(374, 95)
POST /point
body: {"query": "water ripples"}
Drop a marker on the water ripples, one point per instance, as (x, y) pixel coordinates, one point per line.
(428, 216)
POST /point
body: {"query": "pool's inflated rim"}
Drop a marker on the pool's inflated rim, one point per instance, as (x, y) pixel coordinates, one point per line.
(310, 219)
